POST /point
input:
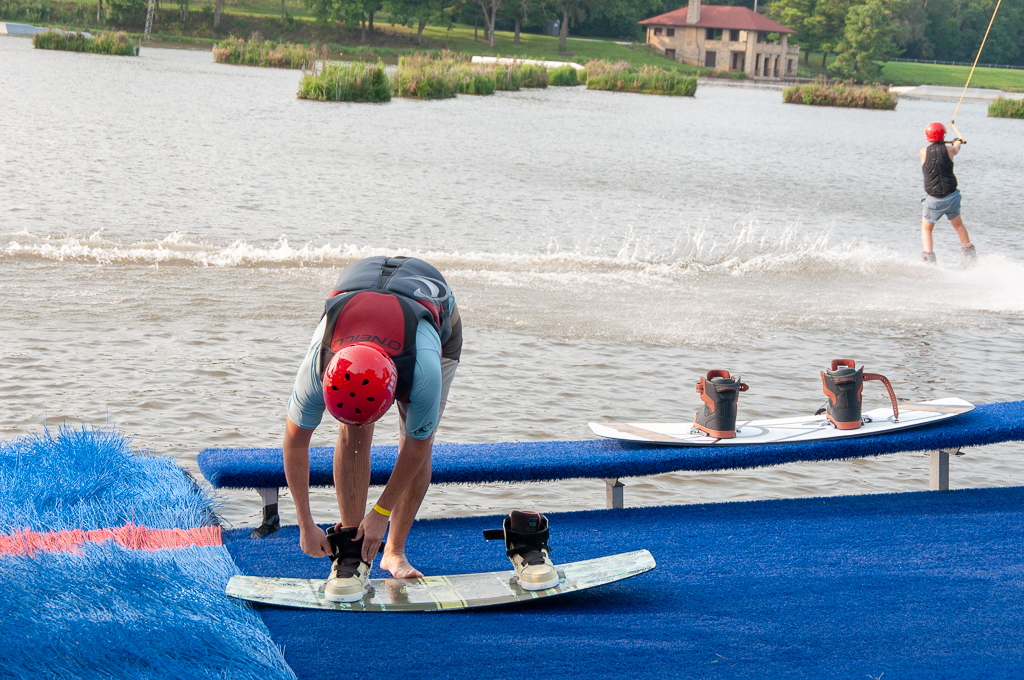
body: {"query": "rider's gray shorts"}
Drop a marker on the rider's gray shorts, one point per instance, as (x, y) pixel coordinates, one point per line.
(934, 208)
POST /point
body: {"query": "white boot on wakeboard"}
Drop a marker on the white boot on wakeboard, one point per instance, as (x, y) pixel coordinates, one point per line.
(526, 543)
(347, 582)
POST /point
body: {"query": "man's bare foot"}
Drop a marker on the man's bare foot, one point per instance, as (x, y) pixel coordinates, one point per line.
(399, 566)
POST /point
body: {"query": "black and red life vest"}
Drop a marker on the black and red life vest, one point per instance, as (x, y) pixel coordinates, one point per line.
(939, 180)
(380, 300)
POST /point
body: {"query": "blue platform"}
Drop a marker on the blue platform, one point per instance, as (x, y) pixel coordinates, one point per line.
(915, 585)
(594, 459)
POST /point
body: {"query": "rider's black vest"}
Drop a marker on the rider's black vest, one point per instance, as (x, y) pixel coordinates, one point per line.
(939, 179)
(380, 300)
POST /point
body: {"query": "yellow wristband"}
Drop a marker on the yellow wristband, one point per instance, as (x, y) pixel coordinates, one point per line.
(377, 508)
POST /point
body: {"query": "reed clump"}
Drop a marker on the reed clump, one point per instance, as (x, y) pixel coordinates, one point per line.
(622, 77)
(848, 95)
(427, 76)
(335, 82)
(104, 43)
(1006, 108)
(563, 76)
(258, 52)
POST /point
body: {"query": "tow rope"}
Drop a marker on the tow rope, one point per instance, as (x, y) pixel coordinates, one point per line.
(971, 74)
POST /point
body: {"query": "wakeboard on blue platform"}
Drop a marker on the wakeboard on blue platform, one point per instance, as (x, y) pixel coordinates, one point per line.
(788, 430)
(463, 591)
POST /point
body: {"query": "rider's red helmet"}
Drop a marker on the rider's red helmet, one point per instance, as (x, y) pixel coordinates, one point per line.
(359, 384)
(935, 132)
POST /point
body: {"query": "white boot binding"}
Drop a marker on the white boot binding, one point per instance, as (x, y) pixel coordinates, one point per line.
(528, 551)
(349, 573)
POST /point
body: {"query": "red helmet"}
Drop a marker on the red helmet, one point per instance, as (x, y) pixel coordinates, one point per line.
(359, 384)
(935, 132)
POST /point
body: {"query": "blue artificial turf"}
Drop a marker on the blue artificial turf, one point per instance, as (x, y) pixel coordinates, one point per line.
(85, 478)
(538, 461)
(917, 585)
(104, 611)
(110, 612)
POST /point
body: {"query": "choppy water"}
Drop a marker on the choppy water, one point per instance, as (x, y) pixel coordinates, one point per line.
(170, 226)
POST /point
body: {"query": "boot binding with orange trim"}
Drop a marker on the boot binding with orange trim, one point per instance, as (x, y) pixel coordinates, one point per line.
(843, 384)
(720, 393)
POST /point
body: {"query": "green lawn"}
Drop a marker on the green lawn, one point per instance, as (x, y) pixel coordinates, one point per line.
(905, 73)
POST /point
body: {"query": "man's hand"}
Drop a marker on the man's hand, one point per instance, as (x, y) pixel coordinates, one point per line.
(372, 530)
(314, 541)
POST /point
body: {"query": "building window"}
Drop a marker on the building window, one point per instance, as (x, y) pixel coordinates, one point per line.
(657, 31)
(670, 32)
(734, 35)
(671, 54)
(789, 66)
(713, 34)
(709, 59)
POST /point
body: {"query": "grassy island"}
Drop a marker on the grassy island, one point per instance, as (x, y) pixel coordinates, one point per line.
(564, 76)
(258, 52)
(622, 77)
(446, 74)
(104, 43)
(847, 95)
(1006, 108)
(355, 82)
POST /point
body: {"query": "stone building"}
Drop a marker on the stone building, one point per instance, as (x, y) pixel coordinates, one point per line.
(725, 39)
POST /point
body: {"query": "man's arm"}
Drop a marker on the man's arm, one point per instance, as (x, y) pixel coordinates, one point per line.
(954, 148)
(296, 469)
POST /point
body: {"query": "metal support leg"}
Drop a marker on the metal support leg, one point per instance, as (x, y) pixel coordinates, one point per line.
(271, 519)
(613, 493)
(939, 476)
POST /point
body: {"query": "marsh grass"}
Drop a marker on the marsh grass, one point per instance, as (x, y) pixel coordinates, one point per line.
(847, 95)
(621, 77)
(423, 75)
(1006, 108)
(104, 43)
(353, 82)
(563, 76)
(258, 52)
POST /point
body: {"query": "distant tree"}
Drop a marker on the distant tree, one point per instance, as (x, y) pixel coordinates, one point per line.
(490, 9)
(521, 11)
(868, 38)
(576, 10)
(419, 13)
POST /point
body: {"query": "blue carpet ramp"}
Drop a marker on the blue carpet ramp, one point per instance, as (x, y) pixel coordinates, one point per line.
(594, 459)
(918, 585)
(102, 610)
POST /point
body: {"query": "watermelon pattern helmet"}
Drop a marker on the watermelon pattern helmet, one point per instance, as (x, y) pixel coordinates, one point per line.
(359, 384)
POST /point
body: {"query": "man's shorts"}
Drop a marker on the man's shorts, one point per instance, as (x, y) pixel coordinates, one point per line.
(934, 208)
(448, 367)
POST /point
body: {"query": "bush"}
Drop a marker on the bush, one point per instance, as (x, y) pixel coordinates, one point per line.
(1006, 108)
(104, 43)
(646, 80)
(848, 95)
(564, 76)
(259, 52)
(508, 78)
(356, 82)
(25, 10)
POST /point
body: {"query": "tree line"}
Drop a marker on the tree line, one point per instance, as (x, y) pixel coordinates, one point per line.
(863, 33)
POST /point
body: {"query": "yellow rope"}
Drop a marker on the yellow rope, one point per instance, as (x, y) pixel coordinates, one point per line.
(971, 75)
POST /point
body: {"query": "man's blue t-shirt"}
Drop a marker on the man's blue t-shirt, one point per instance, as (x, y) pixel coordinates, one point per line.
(306, 406)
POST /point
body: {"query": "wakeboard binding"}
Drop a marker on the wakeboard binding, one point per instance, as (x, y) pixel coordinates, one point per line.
(526, 543)
(347, 582)
(720, 393)
(843, 384)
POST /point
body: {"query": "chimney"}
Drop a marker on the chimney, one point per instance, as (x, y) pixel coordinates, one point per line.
(693, 12)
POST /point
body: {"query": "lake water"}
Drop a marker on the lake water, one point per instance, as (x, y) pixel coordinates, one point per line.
(169, 228)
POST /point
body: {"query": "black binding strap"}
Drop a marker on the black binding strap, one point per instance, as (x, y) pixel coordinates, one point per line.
(494, 534)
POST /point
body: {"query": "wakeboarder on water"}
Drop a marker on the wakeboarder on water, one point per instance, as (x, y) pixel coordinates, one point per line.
(943, 195)
(390, 331)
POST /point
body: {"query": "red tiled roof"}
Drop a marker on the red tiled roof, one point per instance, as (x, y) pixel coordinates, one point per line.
(718, 16)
